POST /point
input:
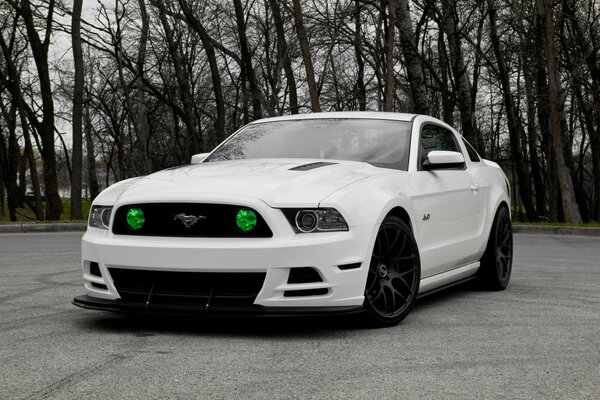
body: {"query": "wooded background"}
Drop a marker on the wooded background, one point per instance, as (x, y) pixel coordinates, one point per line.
(144, 84)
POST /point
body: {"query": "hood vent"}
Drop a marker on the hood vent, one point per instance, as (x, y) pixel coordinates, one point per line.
(308, 167)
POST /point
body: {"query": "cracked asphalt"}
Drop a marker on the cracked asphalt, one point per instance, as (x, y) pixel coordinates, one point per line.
(539, 339)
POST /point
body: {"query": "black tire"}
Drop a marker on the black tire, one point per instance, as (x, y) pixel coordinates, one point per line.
(496, 263)
(394, 274)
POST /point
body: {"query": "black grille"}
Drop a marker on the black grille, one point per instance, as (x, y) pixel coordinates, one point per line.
(217, 289)
(166, 219)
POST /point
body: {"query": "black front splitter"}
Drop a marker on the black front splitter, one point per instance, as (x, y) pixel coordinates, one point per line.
(93, 303)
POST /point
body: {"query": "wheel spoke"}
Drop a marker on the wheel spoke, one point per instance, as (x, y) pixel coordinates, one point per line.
(396, 251)
(400, 294)
(378, 295)
(396, 274)
(385, 299)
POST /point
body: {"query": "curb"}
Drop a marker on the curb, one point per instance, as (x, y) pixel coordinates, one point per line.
(557, 230)
(32, 227)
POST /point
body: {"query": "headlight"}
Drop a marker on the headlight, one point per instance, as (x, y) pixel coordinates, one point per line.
(316, 220)
(100, 217)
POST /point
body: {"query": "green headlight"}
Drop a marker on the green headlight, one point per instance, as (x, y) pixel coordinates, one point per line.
(135, 218)
(246, 220)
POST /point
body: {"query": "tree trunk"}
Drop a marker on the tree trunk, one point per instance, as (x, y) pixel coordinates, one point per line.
(35, 180)
(247, 60)
(183, 81)
(414, 69)
(308, 65)
(389, 57)
(1, 193)
(448, 96)
(92, 175)
(15, 159)
(209, 49)
(515, 128)
(360, 90)
(141, 108)
(543, 116)
(459, 70)
(569, 203)
(587, 50)
(283, 50)
(536, 172)
(76, 158)
(39, 50)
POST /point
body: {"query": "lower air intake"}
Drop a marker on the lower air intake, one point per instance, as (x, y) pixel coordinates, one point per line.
(190, 289)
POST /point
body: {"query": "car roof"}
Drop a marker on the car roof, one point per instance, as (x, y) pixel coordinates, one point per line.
(342, 115)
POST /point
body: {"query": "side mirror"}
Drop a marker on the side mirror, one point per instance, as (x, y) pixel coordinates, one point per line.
(198, 158)
(437, 159)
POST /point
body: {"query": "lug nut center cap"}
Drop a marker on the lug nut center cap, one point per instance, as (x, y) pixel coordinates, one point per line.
(382, 270)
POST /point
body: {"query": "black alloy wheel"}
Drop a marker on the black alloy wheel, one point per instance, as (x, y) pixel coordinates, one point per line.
(496, 263)
(394, 273)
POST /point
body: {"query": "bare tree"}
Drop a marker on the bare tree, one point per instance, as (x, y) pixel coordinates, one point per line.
(515, 127)
(567, 193)
(39, 49)
(308, 64)
(412, 60)
(76, 175)
(389, 53)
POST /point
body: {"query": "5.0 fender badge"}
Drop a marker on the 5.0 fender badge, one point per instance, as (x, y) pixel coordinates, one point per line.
(188, 220)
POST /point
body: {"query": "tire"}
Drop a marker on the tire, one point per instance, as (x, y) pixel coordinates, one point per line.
(394, 274)
(496, 263)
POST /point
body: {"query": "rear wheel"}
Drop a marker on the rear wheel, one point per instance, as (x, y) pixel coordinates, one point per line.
(496, 263)
(394, 273)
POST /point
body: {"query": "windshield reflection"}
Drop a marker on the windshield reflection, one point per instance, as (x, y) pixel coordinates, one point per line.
(383, 143)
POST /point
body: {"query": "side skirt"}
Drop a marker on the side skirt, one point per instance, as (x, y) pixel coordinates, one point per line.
(444, 280)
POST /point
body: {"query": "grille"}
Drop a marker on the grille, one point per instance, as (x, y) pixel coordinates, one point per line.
(188, 288)
(213, 220)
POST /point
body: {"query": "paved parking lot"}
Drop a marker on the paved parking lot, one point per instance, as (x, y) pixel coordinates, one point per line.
(539, 339)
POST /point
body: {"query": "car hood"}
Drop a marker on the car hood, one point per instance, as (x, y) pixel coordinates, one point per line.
(277, 182)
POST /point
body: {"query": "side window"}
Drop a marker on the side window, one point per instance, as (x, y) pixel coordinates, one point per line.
(434, 137)
(471, 151)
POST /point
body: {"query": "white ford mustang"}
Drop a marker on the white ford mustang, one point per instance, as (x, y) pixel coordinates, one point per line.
(305, 214)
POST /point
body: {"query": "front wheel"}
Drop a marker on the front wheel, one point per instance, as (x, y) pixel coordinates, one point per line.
(394, 273)
(496, 263)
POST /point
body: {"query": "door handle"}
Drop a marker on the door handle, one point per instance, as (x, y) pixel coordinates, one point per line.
(475, 188)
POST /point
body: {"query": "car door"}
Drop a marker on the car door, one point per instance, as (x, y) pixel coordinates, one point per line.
(448, 206)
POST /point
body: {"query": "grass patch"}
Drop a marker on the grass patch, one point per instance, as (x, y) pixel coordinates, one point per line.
(25, 214)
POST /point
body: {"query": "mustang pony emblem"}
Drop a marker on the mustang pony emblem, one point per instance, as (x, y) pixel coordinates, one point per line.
(188, 220)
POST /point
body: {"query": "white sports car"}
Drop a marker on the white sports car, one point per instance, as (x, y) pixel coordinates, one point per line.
(305, 214)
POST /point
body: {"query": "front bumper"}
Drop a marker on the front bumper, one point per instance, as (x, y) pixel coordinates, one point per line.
(340, 290)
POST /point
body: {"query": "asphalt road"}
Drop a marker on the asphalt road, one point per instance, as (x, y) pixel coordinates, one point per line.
(539, 339)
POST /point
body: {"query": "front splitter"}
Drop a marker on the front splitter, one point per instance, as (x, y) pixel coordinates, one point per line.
(93, 303)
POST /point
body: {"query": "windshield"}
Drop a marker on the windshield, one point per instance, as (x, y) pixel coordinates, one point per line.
(382, 143)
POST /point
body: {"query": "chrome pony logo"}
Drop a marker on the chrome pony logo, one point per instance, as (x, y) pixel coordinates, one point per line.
(188, 220)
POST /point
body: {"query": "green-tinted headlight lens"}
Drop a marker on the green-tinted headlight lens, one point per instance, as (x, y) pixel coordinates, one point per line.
(246, 220)
(135, 218)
